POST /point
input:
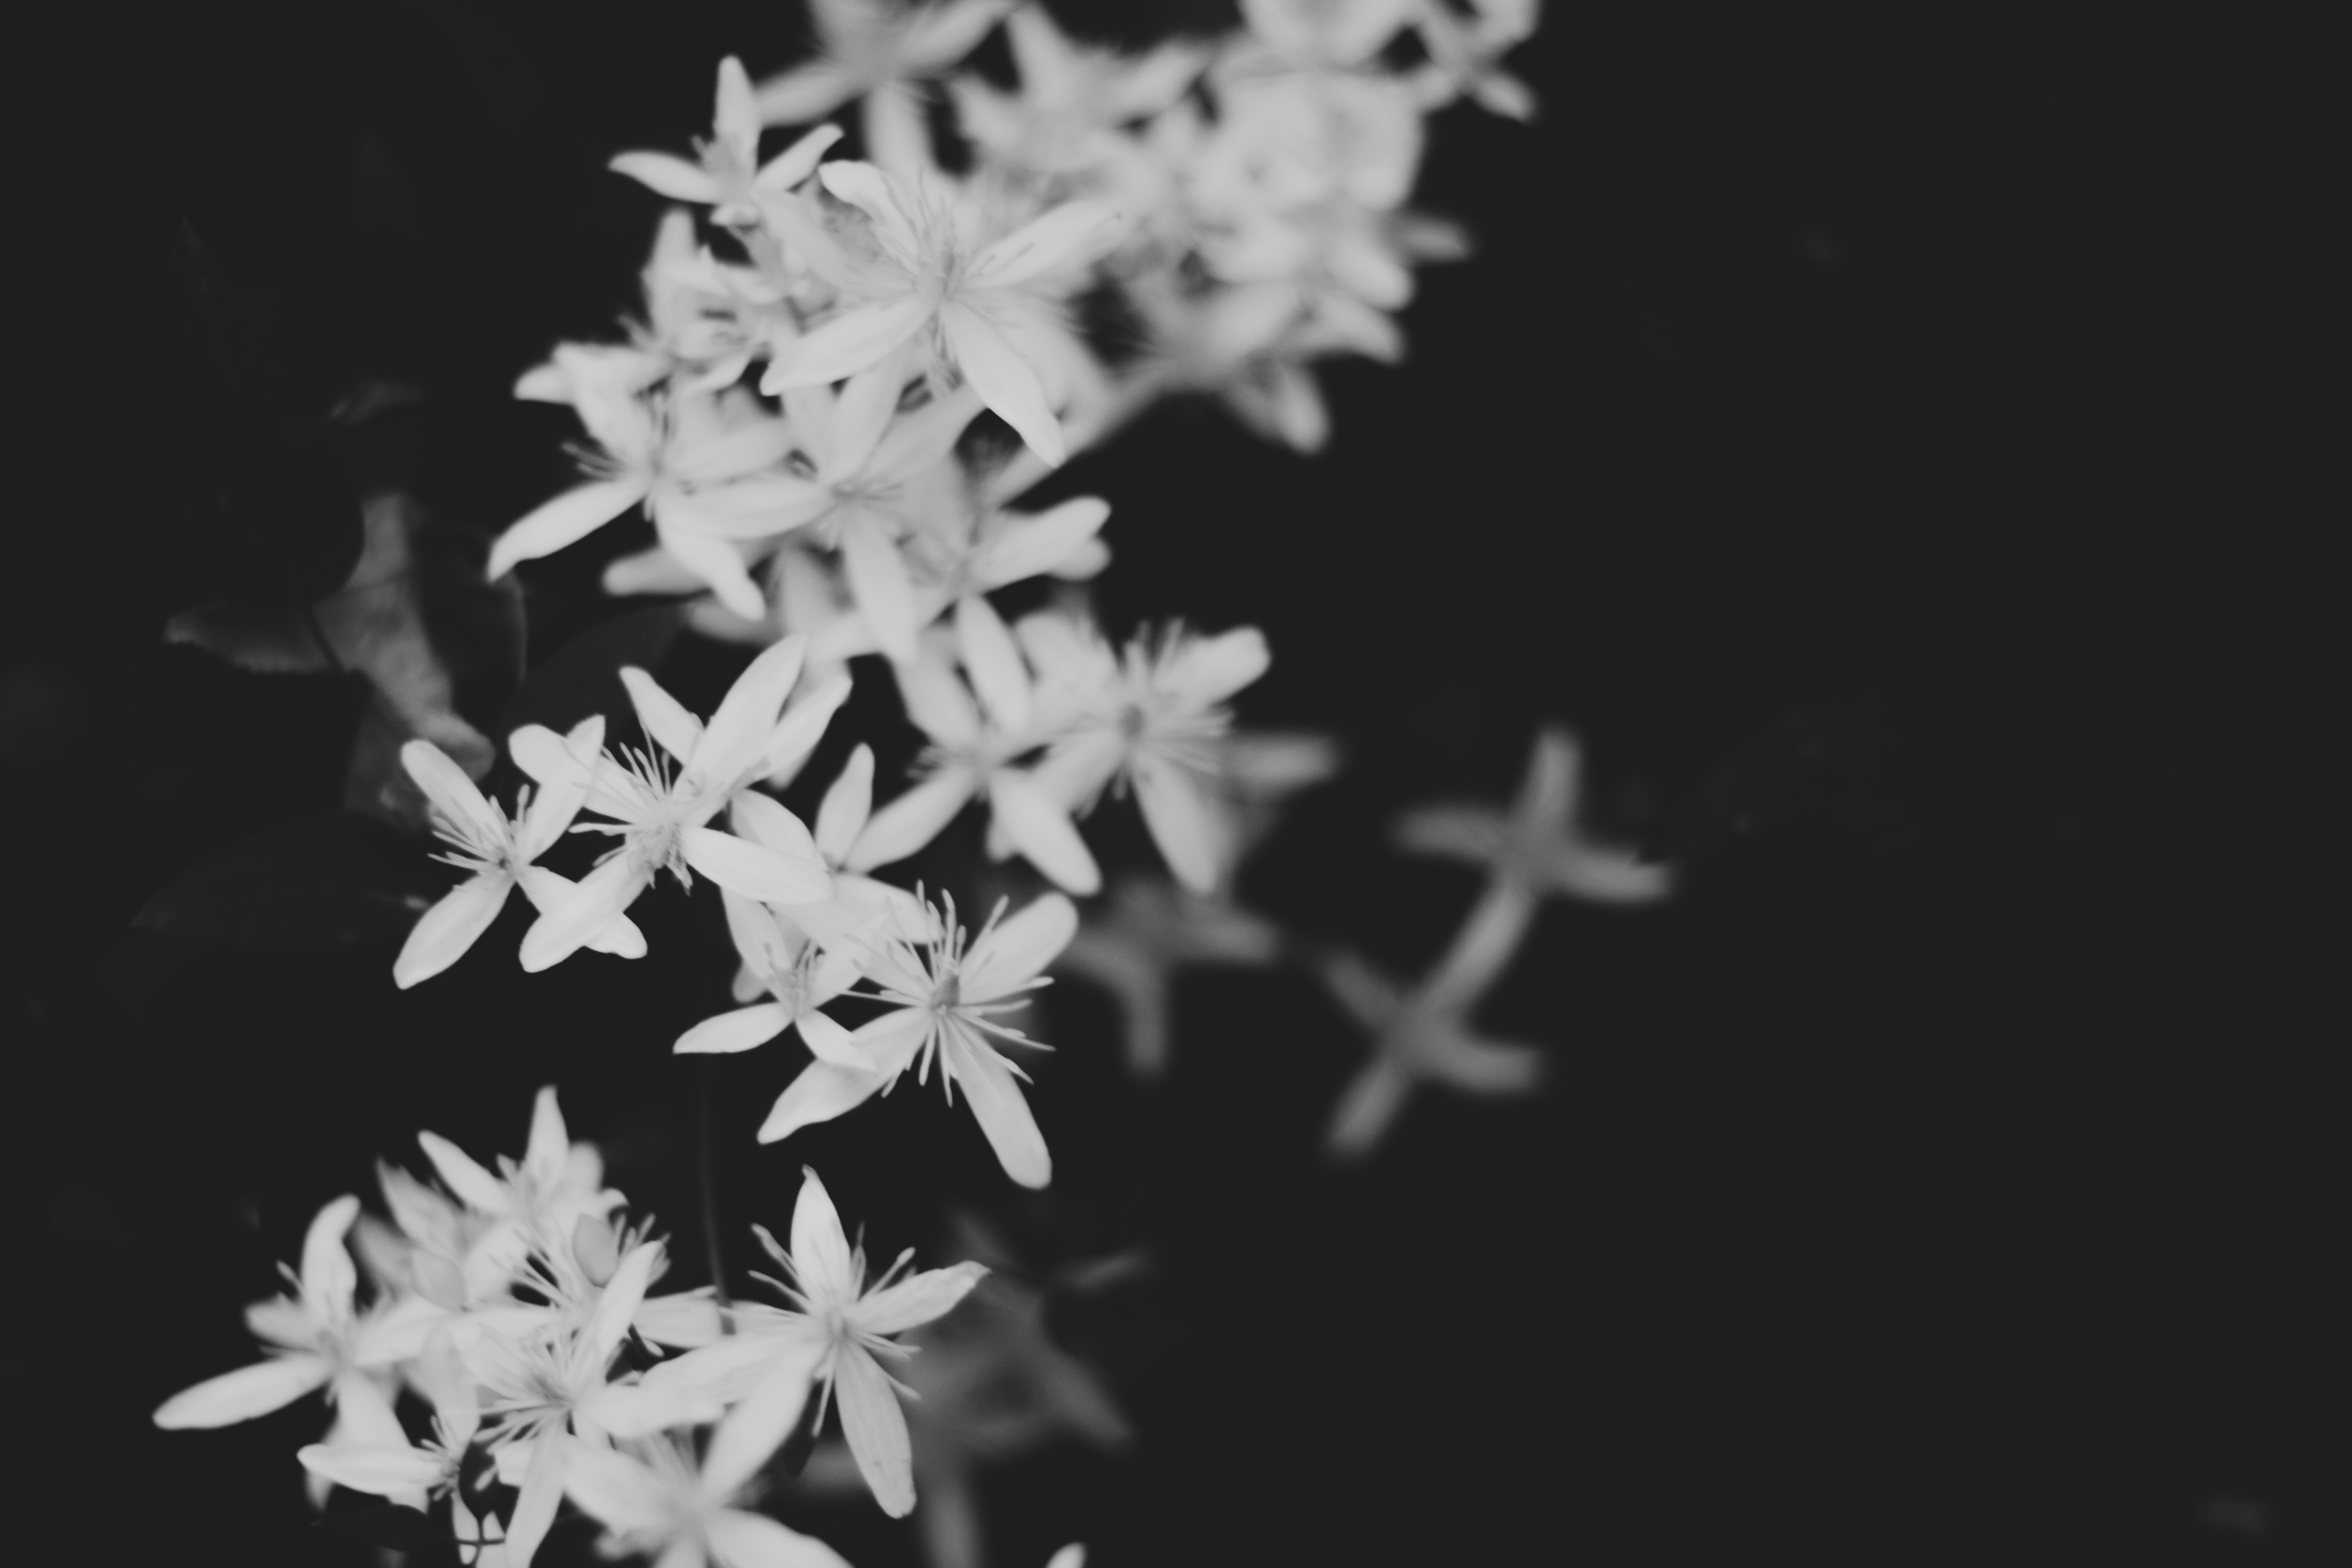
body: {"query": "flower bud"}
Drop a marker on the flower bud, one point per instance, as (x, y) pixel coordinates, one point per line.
(596, 1248)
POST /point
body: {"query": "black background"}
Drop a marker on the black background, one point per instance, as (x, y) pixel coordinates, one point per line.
(1870, 428)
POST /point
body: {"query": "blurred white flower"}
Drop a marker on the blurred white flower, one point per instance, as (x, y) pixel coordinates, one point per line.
(946, 1000)
(876, 49)
(1133, 943)
(499, 852)
(539, 1201)
(854, 1321)
(402, 1471)
(656, 1502)
(729, 177)
(1072, 100)
(1418, 1036)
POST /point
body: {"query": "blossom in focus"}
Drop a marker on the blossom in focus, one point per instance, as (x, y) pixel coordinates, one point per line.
(854, 1322)
(729, 177)
(317, 1338)
(499, 852)
(1151, 719)
(538, 1201)
(972, 753)
(662, 801)
(800, 976)
(984, 307)
(946, 998)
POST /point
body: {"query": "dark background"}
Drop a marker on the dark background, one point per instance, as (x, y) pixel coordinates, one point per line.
(1871, 429)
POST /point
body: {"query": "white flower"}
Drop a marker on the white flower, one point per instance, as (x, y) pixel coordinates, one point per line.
(655, 1502)
(1152, 719)
(317, 1337)
(537, 1202)
(497, 852)
(704, 468)
(402, 1471)
(947, 999)
(854, 1323)
(1334, 35)
(876, 49)
(1073, 100)
(1465, 59)
(984, 304)
(729, 177)
(1418, 1036)
(980, 551)
(1147, 930)
(971, 752)
(800, 976)
(662, 816)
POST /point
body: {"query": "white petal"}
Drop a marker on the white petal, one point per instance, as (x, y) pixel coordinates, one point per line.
(617, 1307)
(877, 581)
(819, 1246)
(1002, 1112)
(476, 1187)
(855, 340)
(382, 1471)
(738, 1031)
(911, 821)
(747, 714)
(918, 1299)
(767, 822)
(443, 934)
(683, 1321)
(570, 517)
(1370, 1103)
(543, 1490)
(797, 162)
(1184, 821)
(993, 662)
(842, 815)
(796, 734)
(719, 562)
(618, 1492)
(1068, 236)
(740, 1540)
(445, 784)
(754, 870)
(821, 1092)
(829, 1042)
(664, 717)
(876, 1429)
(594, 905)
(1211, 669)
(553, 760)
(665, 175)
(548, 891)
(805, 92)
(1018, 949)
(328, 1275)
(766, 1416)
(241, 1395)
(1026, 546)
(1039, 826)
(1007, 383)
(868, 399)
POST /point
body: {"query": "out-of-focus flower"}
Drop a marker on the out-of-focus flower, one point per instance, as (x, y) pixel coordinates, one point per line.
(1326, 35)
(1147, 931)
(656, 1502)
(800, 976)
(539, 1201)
(1465, 56)
(408, 1472)
(705, 468)
(982, 303)
(729, 177)
(854, 1321)
(499, 852)
(317, 1337)
(1151, 720)
(1421, 1035)
(946, 999)
(661, 816)
(971, 752)
(1072, 100)
(877, 49)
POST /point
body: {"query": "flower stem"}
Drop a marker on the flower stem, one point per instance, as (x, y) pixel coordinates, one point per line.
(709, 1192)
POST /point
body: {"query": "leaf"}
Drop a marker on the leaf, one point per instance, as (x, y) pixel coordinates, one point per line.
(394, 1526)
(319, 881)
(583, 675)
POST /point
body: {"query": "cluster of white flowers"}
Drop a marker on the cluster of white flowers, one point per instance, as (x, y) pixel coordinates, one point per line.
(520, 1315)
(792, 417)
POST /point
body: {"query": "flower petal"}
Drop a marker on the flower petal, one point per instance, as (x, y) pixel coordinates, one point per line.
(241, 1395)
(821, 1092)
(543, 1490)
(1002, 1112)
(765, 1416)
(617, 1490)
(796, 734)
(445, 784)
(842, 815)
(1069, 235)
(664, 716)
(1039, 826)
(329, 1276)
(829, 1042)
(1016, 950)
(855, 340)
(617, 1307)
(738, 1031)
(1184, 821)
(754, 870)
(879, 582)
(569, 517)
(1209, 669)
(379, 1470)
(742, 1540)
(767, 822)
(443, 933)
(747, 714)
(876, 1429)
(1370, 1103)
(594, 904)
(911, 821)
(797, 162)
(1006, 381)
(1027, 545)
(720, 563)
(918, 1299)
(820, 1245)
(665, 175)
(547, 891)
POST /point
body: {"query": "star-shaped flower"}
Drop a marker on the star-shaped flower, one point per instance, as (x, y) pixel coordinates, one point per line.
(536, 1202)
(499, 852)
(927, 274)
(877, 49)
(656, 1502)
(946, 999)
(661, 803)
(1421, 1035)
(729, 177)
(854, 1322)
(1149, 930)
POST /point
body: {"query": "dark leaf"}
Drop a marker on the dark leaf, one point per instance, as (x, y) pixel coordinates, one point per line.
(388, 1524)
(317, 881)
(583, 675)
